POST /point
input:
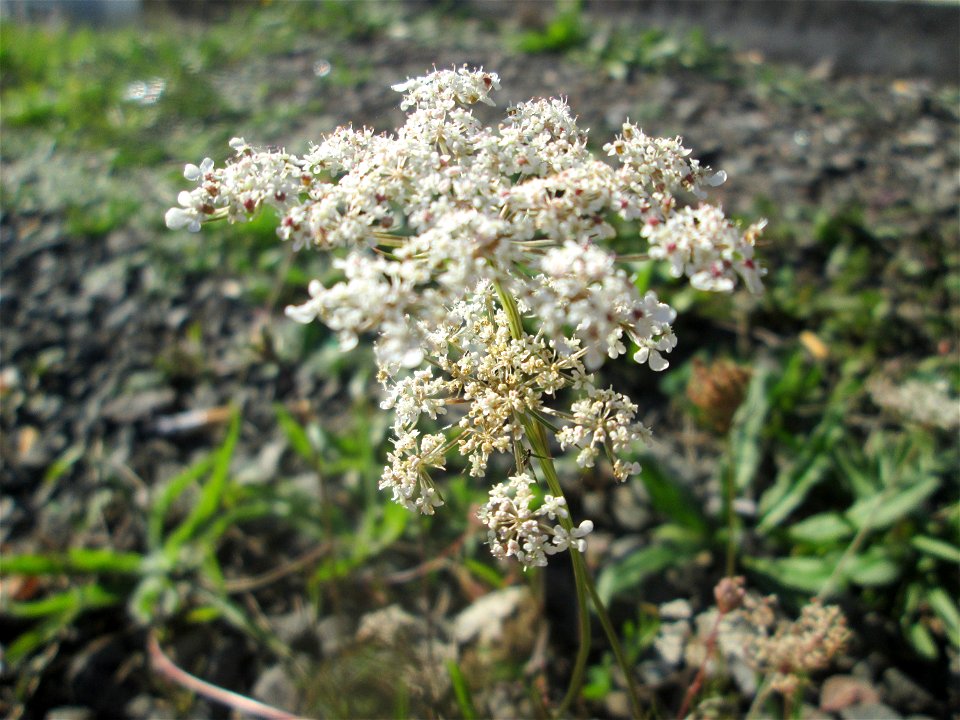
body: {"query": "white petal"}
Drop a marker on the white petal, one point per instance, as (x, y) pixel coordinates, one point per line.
(412, 357)
(657, 361)
(301, 313)
(717, 179)
(585, 528)
(178, 218)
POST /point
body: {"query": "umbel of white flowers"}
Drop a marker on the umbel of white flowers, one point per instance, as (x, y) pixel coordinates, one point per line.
(432, 227)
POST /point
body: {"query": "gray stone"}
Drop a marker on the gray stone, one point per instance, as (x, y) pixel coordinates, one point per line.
(627, 508)
(70, 712)
(870, 711)
(274, 687)
(141, 406)
(904, 692)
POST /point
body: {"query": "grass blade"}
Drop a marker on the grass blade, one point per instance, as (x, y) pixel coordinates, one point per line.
(462, 691)
(74, 601)
(74, 562)
(211, 494)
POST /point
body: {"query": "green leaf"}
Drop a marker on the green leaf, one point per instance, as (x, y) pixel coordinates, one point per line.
(236, 616)
(822, 529)
(484, 572)
(946, 609)
(154, 598)
(62, 464)
(922, 641)
(795, 481)
(73, 601)
(790, 489)
(678, 535)
(643, 277)
(296, 434)
(745, 434)
(872, 568)
(203, 615)
(630, 571)
(210, 495)
(599, 681)
(36, 637)
(391, 526)
(882, 511)
(806, 574)
(794, 381)
(864, 484)
(59, 612)
(251, 510)
(172, 490)
(672, 499)
(937, 548)
(333, 568)
(564, 32)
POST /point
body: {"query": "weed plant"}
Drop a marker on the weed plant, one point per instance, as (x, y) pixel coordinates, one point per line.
(837, 470)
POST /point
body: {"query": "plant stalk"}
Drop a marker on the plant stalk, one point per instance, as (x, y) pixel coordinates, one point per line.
(584, 584)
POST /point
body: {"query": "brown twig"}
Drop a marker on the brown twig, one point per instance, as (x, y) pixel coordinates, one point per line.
(441, 560)
(697, 683)
(246, 584)
(241, 703)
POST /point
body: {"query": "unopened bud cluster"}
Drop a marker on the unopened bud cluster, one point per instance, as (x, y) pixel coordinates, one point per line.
(432, 227)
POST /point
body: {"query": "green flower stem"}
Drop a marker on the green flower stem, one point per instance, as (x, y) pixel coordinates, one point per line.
(729, 493)
(584, 584)
(612, 637)
(763, 692)
(538, 441)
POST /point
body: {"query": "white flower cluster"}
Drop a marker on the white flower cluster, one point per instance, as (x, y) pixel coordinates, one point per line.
(528, 535)
(434, 228)
(240, 189)
(604, 418)
(704, 245)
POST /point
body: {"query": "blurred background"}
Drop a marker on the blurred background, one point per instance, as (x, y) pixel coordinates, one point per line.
(183, 468)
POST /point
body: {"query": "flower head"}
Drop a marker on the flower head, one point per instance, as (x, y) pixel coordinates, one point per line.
(450, 240)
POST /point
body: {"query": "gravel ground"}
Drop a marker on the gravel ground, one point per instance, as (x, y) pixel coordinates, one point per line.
(85, 320)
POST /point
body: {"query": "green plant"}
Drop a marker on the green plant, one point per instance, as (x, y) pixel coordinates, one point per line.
(89, 92)
(887, 537)
(178, 573)
(620, 51)
(563, 32)
(638, 636)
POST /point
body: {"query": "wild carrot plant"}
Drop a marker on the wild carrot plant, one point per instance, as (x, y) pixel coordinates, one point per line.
(480, 259)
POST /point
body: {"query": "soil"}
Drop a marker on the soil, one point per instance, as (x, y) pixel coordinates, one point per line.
(103, 355)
